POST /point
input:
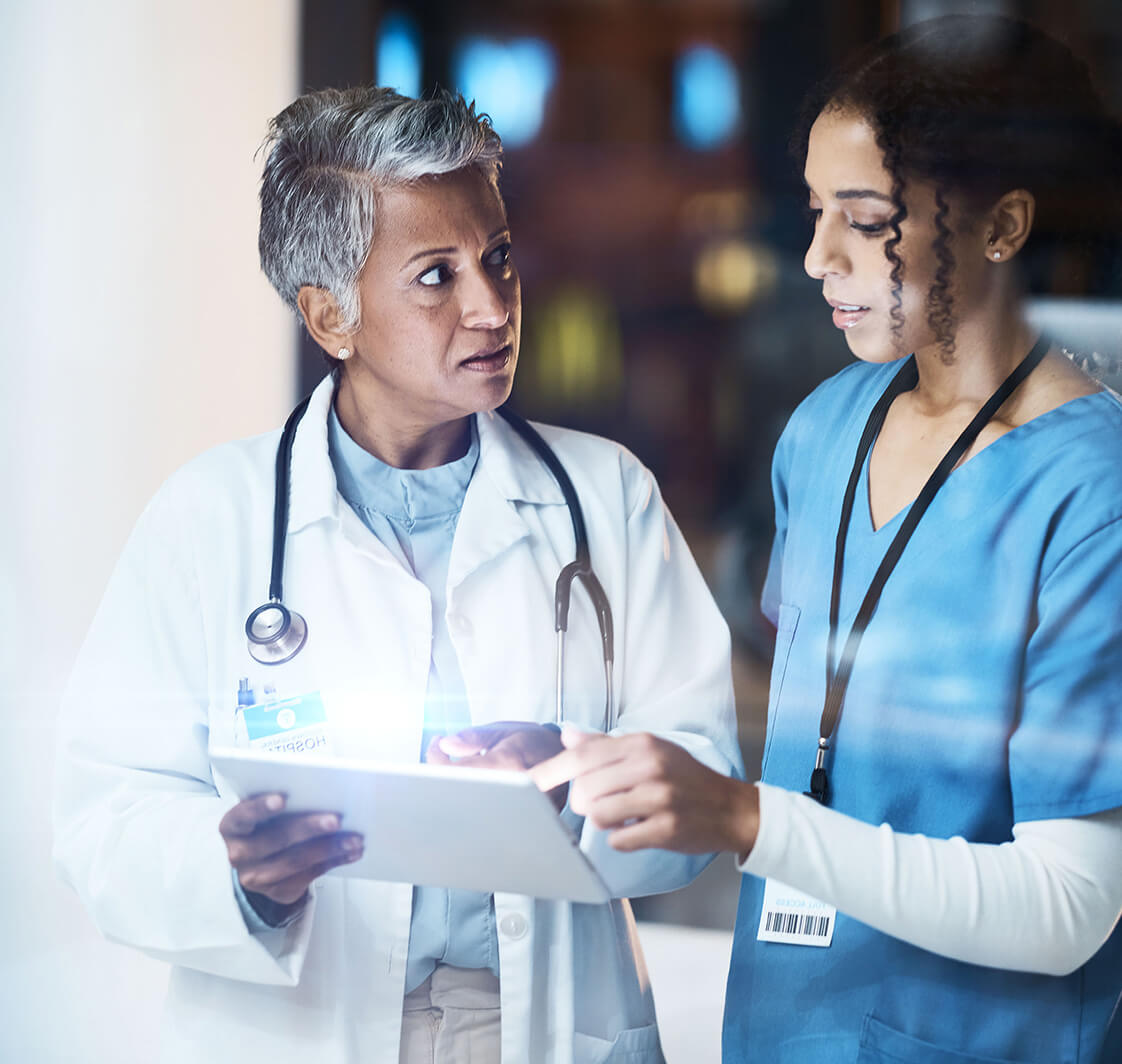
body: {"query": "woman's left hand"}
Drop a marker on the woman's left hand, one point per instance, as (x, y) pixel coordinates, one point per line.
(509, 744)
(651, 793)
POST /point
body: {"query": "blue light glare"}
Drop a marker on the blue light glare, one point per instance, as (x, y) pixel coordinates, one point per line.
(397, 57)
(509, 81)
(706, 97)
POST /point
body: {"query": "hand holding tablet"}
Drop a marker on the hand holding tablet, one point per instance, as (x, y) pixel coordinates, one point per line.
(437, 825)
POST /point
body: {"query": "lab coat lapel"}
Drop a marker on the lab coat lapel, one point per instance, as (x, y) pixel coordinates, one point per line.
(314, 493)
(490, 523)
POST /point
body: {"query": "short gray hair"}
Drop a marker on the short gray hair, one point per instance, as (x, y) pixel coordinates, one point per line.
(329, 153)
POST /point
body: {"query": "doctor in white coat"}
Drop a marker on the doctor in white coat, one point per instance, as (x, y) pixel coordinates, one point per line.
(423, 540)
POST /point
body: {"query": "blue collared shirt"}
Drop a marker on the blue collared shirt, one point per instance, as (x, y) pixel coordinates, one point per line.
(413, 513)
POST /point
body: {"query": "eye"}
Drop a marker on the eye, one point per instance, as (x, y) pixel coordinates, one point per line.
(813, 214)
(435, 275)
(498, 257)
(873, 229)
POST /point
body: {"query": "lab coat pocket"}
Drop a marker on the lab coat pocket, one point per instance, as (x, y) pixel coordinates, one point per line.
(637, 1045)
(881, 1044)
(786, 624)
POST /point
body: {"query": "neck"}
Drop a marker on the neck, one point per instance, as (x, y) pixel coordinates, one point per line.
(399, 441)
(985, 354)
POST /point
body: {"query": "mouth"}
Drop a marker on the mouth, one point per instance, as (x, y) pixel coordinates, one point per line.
(847, 315)
(489, 361)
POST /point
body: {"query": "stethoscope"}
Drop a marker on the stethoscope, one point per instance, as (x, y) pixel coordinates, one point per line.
(277, 633)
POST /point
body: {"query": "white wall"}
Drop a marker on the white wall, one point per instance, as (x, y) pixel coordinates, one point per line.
(138, 331)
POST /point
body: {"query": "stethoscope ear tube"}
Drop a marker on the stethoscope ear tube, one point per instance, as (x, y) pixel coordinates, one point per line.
(581, 566)
(596, 593)
(607, 639)
(603, 613)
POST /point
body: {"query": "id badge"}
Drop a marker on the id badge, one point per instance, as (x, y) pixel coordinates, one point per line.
(292, 725)
(790, 916)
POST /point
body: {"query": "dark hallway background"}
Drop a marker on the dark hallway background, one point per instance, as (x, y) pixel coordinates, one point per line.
(659, 229)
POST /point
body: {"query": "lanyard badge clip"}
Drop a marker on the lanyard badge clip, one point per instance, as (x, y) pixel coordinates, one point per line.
(819, 782)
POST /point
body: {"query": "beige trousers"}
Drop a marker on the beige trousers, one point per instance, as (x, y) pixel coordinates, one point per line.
(452, 1018)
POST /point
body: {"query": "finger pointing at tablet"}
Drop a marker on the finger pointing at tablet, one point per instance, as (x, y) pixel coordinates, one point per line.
(650, 793)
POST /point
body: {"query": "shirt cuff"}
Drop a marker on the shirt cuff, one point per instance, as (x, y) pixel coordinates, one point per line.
(772, 830)
(273, 917)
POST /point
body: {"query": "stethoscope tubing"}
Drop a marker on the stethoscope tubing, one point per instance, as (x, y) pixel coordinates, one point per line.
(581, 567)
(282, 489)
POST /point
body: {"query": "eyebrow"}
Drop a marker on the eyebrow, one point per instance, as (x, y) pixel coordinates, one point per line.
(422, 254)
(861, 193)
(448, 251)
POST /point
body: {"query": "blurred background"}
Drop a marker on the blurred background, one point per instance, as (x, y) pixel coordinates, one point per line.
(659, 229)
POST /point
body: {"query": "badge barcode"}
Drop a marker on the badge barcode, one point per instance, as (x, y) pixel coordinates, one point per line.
(798, 924)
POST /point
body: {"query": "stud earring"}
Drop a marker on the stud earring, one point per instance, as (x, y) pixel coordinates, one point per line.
(344, 354)
(996, 256)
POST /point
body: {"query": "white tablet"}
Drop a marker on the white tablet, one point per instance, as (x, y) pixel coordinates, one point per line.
(438, 825)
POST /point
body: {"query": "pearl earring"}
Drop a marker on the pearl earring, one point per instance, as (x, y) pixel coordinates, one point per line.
(344, 354)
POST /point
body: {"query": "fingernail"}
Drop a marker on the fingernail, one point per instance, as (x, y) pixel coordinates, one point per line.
(274, 803)
(329, 823)
(352, 842)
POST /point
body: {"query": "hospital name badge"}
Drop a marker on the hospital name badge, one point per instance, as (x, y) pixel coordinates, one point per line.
(790, 916)
(293, 725)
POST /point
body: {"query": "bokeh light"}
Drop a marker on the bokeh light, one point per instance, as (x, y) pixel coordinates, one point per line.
(707, 110)
(509, 80)
(397, 55)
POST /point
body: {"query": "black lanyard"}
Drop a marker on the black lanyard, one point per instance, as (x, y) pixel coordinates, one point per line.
(837, 679)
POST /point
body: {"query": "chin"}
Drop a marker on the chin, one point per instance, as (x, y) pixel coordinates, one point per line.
(874, 349)
(495, 392)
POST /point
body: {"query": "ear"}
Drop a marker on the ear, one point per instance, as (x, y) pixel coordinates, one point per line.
(1008, 224)
(323, 318)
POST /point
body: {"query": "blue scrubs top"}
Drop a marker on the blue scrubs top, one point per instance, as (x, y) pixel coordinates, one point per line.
(987, 690)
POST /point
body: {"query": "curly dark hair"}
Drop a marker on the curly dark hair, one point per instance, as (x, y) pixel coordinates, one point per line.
(977, 106)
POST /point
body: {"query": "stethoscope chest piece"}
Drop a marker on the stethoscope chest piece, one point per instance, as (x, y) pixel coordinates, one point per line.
(275, 633)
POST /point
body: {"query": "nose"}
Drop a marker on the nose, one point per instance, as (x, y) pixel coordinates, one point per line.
(487, 301)
(824, 256)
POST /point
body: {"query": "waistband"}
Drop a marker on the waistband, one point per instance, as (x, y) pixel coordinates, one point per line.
(455, 988)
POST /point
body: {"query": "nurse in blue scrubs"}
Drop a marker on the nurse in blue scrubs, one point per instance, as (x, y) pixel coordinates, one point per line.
(933, 857)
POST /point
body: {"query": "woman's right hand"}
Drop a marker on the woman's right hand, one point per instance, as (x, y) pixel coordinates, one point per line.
(650, 793)
(277, 855)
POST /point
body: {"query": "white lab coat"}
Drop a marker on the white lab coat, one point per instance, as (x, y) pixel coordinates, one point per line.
(155, 686)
